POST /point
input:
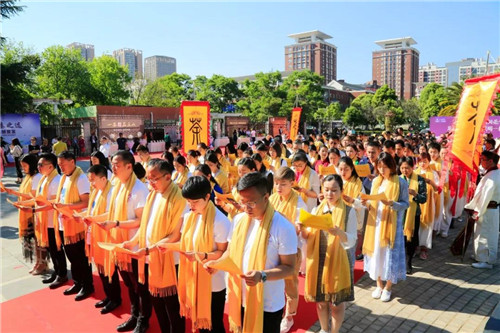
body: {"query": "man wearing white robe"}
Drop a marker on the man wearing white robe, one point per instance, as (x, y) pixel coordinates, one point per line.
(485, 206)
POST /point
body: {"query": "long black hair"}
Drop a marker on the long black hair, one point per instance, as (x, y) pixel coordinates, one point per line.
(348, 161)
(102, 159)
(32, 161)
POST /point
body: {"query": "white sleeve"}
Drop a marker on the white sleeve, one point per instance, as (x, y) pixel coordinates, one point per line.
(108, 199)
(36, 181)
(221, 228)
(315, 183)
(83, 185)
(54, 185)
(236, 220)
(141, 197)
(287, 238)
(351, 230)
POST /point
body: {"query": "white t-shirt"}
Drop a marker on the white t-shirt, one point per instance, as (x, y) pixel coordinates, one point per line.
(52, 192)
(222, 225)
(36, 179)
(83, 187)
(136, 200)
(105, 148)
(282, 241)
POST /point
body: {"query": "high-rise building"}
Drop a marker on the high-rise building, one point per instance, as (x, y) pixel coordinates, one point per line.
(312, 52)
(397, 65)
(87, 50)
(432, 73)
(477, 68)
(158, 66)
(132, 59)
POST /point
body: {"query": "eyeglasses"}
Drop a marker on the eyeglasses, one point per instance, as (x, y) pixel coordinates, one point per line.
(250, 205)
(155, 180)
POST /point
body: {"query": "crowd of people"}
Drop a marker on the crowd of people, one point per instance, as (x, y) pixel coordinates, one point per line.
(188, 233)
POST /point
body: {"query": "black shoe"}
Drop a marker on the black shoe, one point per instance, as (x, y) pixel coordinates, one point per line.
(84, 293)
(110, 307)
(142, 326)
(59, 281)
(102, 303)
(74, 289)
(127, 326)
(409, 270)
(360, 257)
(50, 279)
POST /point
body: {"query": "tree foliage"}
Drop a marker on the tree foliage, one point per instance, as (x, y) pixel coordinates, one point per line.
(220, 91)
(109, 81)
(168, 91)
(333, 111)
(430, 99)
(360, 112)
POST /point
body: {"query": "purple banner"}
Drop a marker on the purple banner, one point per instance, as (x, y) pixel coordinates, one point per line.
(21, 126)
(440, 125)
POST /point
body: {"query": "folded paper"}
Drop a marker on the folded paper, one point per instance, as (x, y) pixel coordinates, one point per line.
(322, 222)
(363, 170)
(227, 265)
(376, 197)
(327, 170)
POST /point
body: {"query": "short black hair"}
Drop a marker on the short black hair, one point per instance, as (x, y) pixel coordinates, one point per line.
(168, 156)
(32, 161)
(99, 170)
(262, 147)
(181, 160)
(126, 156)
(389, 161)
(373, 143)
(248, 162)
(193, 153)
(142, 148)
(389, 144)
(242, 146)
(434, 145)
(49, 157)
(335, 178)
(399, 142)
(162, 165)
(253, 179)
(196, 187)
(408, 160)
(139, 170)
(203, 146)
(67, 155)
(491, 156)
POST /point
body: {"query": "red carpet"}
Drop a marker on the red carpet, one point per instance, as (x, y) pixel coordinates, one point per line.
(50, 311)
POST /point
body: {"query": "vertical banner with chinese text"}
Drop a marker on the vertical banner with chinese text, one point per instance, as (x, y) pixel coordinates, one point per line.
(195, 122)
(472, 115)
(294, 123)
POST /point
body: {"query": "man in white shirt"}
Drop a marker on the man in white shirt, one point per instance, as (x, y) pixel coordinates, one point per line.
(105, 146)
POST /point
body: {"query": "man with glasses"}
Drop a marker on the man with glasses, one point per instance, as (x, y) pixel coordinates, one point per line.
(263, 244)
(161, 223)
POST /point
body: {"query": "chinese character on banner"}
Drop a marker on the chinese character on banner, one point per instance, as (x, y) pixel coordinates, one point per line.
(195, 121)
(471, 119)
(294, 123)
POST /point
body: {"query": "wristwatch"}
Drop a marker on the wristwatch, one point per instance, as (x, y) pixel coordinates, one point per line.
(117, 224)
(263, 276)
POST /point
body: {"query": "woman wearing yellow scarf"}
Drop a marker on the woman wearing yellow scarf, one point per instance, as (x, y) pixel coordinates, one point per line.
(193, 159)
(307, 180)
(143, 153)
(436, 164)
(287, 201)
(417, 190)
(181, 173)
(277, 161)
(329, 278)
(429, 207)
(383, 245)
(220, 175)
(204, 237)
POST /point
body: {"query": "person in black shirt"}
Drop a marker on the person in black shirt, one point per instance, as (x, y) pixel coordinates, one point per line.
(33, 148)
(122, 142)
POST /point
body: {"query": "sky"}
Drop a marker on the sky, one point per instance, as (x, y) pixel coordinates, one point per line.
(242, 38)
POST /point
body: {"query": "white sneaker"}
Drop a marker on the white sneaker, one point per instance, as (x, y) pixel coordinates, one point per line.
(377, 293)
(443, 235)
(286, 325)
(482, 265)
(323, 331)
(386, 296)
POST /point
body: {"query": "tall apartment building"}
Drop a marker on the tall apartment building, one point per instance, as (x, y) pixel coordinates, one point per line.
(432, 73)
(87, 50)
(132, 59)
(396, 65)
(478, 68)
(312, 52)
(158, 66)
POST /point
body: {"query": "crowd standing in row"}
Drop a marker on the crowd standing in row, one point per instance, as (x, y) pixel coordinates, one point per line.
(176, 219)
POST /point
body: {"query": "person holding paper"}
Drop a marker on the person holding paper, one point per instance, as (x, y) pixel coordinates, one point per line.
(322, 158)
(156, 271)
(263, 244)
(204, 237)
(220, 175)
(308, 185)
(372, 152)
(417, 190)
(329, 275)
(73, 194)
(288, 202)
(334, 158)
(383, 245)
(181, 173)
(99, 202)
(429, 207)
(436, 164)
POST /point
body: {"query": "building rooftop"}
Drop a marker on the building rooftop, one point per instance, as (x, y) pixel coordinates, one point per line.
(396, 42)
(308, 35)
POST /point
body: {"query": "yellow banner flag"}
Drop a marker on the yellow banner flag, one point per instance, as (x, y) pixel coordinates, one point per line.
(472, 114)
(195, 123)
(294, 123)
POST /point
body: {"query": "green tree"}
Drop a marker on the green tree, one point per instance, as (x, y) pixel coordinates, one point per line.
(303, 89)
(360, 112)
(168, 91)
(411, 112)
(9, 8)
(109, 81)
(220, 91)
(332, 112)
(430, 99)
(17, 76)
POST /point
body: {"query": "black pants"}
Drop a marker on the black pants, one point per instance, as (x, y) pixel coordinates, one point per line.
(93, 146)
(19, 171)
(411, 246)
(272, 320)
(218, 301)
(58, 257)
(140, 299)
(81, 270)
(112, 289)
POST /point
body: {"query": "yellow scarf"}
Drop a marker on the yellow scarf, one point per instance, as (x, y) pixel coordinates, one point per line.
(336, 277)
(118, 211)
(224, 163)
(388, 222)
(428, 208)
(287, 207)
(97, 234)
(412, 210)
(437, 166)
(254, 309)
(304, 182)
(233, 211)
(223, 181)
(25, 216)
(181, 177)
(162, 275)
(352, 188)
(42, 223)
(195, 286)
(73, 231)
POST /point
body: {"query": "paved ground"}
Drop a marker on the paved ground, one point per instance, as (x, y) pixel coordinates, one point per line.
(442, 295)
